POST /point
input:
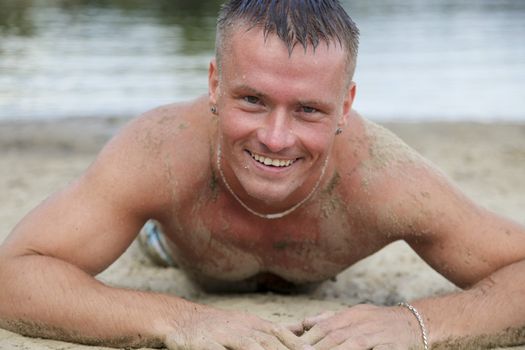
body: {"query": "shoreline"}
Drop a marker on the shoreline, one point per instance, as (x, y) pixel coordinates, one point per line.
(89, 134)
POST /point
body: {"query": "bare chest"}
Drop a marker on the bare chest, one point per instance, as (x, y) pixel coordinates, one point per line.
(220, 239)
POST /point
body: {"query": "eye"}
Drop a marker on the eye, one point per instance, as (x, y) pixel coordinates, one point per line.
(307, 109)
(251, 99)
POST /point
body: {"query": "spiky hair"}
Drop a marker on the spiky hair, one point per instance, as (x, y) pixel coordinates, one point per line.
(303, 22)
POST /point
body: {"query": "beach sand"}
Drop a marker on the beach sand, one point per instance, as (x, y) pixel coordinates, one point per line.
(486, 160)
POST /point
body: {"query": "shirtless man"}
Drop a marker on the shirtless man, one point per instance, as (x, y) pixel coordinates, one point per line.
(273, 179)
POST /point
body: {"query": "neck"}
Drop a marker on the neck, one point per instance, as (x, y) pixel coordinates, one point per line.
(276, 215)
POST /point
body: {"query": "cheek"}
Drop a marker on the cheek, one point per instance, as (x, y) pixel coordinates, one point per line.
(235, 125)
(318, 138)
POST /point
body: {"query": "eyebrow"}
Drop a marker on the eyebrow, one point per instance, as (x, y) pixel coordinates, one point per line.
(315, 103)
(251, 90)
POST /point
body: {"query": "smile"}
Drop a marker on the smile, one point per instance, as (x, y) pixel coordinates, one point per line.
(281, 163)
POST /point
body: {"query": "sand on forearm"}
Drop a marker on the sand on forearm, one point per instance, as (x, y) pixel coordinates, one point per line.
(486, 160)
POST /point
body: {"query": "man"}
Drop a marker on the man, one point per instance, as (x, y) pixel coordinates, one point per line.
(271, 179)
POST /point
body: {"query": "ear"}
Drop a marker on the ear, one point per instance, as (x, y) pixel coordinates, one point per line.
(347, 104)
(213, 82)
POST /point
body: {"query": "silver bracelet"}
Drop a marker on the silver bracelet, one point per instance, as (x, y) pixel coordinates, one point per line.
(419, 320)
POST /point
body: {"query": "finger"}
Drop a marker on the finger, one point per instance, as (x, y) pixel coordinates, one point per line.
(352, 346)
(333, 339)
(268, 341)
(357, 342)
(289, 339)
(296, 328)
(309, 322)
(314, 335)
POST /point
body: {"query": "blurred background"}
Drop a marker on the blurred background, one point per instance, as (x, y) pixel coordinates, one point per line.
(419, 59)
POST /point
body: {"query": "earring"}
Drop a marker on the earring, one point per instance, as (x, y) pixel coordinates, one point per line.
(213, 109)
(338, 131)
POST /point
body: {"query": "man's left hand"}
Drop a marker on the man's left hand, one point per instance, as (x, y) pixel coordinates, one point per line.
(361, 327)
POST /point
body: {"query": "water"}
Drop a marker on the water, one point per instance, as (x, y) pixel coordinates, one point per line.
(442, 59)
(419, 59)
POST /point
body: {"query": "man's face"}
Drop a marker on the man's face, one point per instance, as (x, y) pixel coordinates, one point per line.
(277, 114)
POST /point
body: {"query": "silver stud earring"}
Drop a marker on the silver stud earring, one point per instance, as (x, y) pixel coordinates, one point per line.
(213, 109)
(338, 131)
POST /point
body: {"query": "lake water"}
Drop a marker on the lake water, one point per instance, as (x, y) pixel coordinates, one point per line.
(419, 59)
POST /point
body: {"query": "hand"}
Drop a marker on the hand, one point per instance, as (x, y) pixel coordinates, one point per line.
(211, 329)
(361, 327)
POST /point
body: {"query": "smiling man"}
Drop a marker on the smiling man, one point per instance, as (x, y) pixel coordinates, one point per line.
(271, 182)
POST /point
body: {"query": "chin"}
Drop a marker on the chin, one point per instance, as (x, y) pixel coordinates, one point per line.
(270, 194)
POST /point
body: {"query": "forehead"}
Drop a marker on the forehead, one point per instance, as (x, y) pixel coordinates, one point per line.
(242, 38)
(265, 62)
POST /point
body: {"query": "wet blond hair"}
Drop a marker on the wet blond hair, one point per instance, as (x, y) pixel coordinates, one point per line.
(295, 22)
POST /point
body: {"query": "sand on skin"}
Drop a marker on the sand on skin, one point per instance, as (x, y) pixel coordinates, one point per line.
(486, 160)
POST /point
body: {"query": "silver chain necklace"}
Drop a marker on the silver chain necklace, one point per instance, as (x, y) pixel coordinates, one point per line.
(273, 215)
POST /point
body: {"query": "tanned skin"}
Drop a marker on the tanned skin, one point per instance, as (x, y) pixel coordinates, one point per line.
(163, 166)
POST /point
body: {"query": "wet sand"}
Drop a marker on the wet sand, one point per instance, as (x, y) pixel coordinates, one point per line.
(486, 160)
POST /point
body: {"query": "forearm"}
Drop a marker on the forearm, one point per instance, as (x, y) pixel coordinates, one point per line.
(492, 313)
(46, 297)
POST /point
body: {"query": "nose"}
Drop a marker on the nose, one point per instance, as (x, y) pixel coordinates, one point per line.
(276, 133)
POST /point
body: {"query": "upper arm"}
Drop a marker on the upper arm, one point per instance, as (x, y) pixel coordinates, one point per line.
(411, 200)
(93, 220)
(464, 241)
(457, 237)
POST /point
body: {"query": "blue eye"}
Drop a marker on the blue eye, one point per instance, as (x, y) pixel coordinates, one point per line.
(307, 109)
(251, 99)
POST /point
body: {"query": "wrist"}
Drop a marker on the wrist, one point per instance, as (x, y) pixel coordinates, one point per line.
(171, 316)
(176, 317)
(419, 326)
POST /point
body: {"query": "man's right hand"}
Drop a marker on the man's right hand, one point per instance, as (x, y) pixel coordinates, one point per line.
(213, 329)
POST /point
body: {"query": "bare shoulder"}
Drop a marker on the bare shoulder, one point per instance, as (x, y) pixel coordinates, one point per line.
(163, 148)
(392, 183)
(177, 122)
(168, 128)
(400, 195)
(377, 156)
(141, 173)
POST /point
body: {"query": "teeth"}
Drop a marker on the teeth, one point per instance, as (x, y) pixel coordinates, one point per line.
(272, 162)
